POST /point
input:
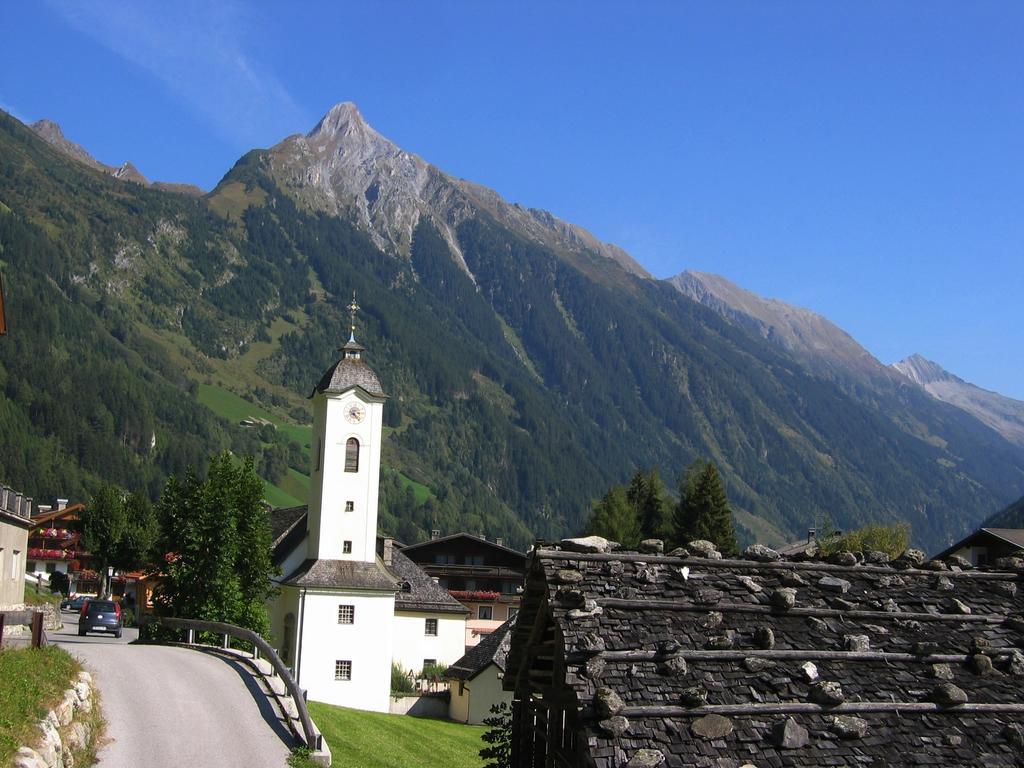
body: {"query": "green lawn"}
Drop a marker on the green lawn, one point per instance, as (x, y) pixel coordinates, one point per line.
(32, 681)
(371, 740)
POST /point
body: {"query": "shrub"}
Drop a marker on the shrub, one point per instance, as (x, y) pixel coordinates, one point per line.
(891, 539)
(400, 682)
(435, 672)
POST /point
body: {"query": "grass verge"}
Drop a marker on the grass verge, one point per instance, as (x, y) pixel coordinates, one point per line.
(373, 740)
(33, 681)
(44, 597)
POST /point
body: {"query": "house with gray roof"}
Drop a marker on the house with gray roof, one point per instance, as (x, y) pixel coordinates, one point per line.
(688, 659)
(986, 545)
(476, 679)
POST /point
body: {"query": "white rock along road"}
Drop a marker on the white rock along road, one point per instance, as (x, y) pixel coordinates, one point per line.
(169, 707)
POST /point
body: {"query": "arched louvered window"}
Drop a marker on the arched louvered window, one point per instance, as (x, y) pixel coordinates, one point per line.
(352, 455)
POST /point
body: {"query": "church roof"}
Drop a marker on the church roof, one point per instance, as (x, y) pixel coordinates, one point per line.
(423, 593)
(287, 530)
(333, 574)
(492, 649)
(679, 660)
(346, 374)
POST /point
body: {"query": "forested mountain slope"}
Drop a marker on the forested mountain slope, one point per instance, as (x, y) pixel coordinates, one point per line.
(1011, 517)
(530, 367)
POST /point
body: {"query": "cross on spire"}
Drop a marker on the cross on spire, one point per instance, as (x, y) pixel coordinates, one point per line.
(353, 307)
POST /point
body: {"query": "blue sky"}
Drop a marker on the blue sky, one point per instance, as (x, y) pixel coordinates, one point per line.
(861, 159)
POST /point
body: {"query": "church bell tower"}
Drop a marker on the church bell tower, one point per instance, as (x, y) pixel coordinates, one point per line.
(348, 406)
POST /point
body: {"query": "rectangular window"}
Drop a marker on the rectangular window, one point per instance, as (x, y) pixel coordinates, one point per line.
(342, 670)
(350, 506)
(484, 612)
(14, 564)
(429, 663)
(470, 585)
(431, 628)
(346, 614)
(346, 547)
(512, 611)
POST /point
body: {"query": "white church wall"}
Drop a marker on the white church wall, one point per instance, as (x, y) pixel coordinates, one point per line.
(366, 643)
(413, 645)
(333, 488)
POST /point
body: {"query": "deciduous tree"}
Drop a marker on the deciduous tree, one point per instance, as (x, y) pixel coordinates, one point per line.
(217, 543)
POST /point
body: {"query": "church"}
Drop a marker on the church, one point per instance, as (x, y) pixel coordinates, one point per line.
(350, 604)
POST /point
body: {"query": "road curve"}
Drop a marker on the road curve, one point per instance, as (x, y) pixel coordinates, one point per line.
(171, 707)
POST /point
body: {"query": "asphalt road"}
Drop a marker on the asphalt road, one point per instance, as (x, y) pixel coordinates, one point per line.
(175, 707)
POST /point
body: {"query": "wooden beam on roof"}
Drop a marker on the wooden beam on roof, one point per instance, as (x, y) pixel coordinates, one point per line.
(780, 565)
(847, 708)
(677, 605)
(783, 655)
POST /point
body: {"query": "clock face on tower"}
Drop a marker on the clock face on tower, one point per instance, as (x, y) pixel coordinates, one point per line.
(355, 413)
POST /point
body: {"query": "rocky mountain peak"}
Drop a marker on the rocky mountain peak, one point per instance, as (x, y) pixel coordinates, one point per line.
(340, 119)
(51, 132)
(345, 167)
(798, 330)
(923, 371)
(1004, 414)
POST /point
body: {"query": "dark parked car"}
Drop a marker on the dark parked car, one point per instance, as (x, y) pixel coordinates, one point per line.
(73, 604)
(100, 616)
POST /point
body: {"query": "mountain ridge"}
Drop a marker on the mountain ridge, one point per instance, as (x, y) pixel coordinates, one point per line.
(524, 382)
(343, 164)
(53, 134)
(1002, 413)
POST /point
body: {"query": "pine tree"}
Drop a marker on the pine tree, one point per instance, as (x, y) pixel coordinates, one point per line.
(703, 509)
(648, 496)
(616, 519)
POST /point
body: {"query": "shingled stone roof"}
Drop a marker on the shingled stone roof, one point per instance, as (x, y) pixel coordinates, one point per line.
(418, 591)
(348, 373)
(492, 649)
(685, 660)
(334, 574)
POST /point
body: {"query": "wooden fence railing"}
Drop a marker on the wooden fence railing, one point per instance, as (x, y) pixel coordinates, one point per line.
(32, 619)
(260, 647)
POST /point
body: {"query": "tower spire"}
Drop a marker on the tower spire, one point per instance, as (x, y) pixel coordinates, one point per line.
(352, 349)
(353, 307)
